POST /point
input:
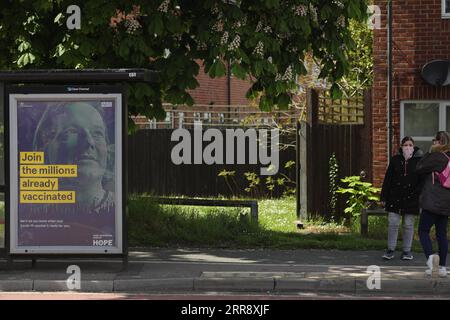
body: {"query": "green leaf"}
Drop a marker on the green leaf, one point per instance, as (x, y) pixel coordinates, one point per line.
(24, 46)
(336, 92)
(58, 17)
(243, 56)
(174, 25)
(238, 71)
(272, 3)
(217, 69)
(123, 50)
(289, 164)
(265, 103)
(282, 26)
(85, 49)
(156, 25)
(283, 101)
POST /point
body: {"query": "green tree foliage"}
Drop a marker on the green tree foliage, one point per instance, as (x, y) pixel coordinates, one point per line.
(360, 75)
(264, 41)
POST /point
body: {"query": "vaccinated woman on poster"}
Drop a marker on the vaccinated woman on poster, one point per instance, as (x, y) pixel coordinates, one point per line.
(75, 134)
(400, 197)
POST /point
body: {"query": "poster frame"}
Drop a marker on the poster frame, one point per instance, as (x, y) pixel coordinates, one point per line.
(82, 91)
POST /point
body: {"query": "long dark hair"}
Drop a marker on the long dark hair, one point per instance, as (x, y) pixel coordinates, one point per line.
(407, 138)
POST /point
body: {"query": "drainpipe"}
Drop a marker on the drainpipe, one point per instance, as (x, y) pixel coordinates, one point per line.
(229, 89)
(389, 81)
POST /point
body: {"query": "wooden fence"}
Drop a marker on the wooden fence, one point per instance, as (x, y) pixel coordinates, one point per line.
(342, 128)
(151, 170)
(339, 127)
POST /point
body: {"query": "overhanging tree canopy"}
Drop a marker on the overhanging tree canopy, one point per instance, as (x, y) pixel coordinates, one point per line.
(264, 41)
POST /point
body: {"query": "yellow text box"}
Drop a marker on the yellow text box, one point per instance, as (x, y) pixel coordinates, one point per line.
(39, 184)
(49, 170)
(47, 197)
(32, 157)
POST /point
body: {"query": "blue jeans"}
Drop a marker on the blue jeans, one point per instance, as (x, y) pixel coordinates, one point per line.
(427, 220)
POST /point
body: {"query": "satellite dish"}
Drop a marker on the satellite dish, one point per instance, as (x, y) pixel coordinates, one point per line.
(437, 72)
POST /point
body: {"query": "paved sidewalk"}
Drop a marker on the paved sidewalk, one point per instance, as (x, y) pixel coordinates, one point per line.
(239, 271)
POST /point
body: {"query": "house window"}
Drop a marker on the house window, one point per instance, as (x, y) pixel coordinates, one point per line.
(445, 9)
(422, 119)
(168, 120)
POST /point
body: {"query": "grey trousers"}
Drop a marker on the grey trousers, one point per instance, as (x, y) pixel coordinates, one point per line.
(408, 230)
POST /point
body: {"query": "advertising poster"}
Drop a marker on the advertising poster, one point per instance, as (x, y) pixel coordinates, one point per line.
(66, 173)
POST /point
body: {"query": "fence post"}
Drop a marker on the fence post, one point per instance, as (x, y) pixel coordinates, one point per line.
(364, 222)
(367, 134)
(254, 211)
(312, 107)
(297, 167)
(305, 154)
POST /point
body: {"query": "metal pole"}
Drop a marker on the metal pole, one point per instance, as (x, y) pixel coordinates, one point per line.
(389, 81)
(229, 89)
(297, 167)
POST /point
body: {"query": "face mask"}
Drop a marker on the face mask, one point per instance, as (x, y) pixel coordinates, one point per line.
(407, 152)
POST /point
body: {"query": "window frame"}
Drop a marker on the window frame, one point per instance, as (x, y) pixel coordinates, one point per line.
(444, 14)
(443, 104)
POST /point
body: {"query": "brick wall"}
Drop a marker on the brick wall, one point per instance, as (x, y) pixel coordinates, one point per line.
(212, 92)
(420, 35)
(215, 91)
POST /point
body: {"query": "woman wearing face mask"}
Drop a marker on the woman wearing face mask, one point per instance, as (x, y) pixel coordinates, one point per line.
(435, 203)
(400, 197)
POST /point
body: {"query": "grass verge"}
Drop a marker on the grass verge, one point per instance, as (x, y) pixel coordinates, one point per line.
(173, 226)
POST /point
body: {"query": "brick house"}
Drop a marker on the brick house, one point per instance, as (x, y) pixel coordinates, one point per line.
(213, 97)
(421, 33)
(215, 91)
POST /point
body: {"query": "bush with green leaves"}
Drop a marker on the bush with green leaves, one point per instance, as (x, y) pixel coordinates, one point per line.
(360, 194)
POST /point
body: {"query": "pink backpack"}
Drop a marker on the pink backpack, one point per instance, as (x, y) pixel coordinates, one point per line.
(444, 175)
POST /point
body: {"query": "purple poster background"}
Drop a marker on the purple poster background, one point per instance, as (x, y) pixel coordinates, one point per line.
(70, 132)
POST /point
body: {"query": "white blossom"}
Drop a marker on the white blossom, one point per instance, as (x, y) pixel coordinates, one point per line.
(201, 46)
(164, 6)
(259, 26)
(244, 21)
(267, 29)
(235, 43)
(132, 25)
(341, 21)
(338, 3)
(224, 39)
(288, 75)
(313, 12)
(218, 26)
(300, 10)
(259, 49)
(215, 9)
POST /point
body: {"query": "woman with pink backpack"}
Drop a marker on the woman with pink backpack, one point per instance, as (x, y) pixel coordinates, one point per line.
(435, 202)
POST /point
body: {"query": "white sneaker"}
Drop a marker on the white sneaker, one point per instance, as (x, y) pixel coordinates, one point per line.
(442, 272)
(432, 264)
